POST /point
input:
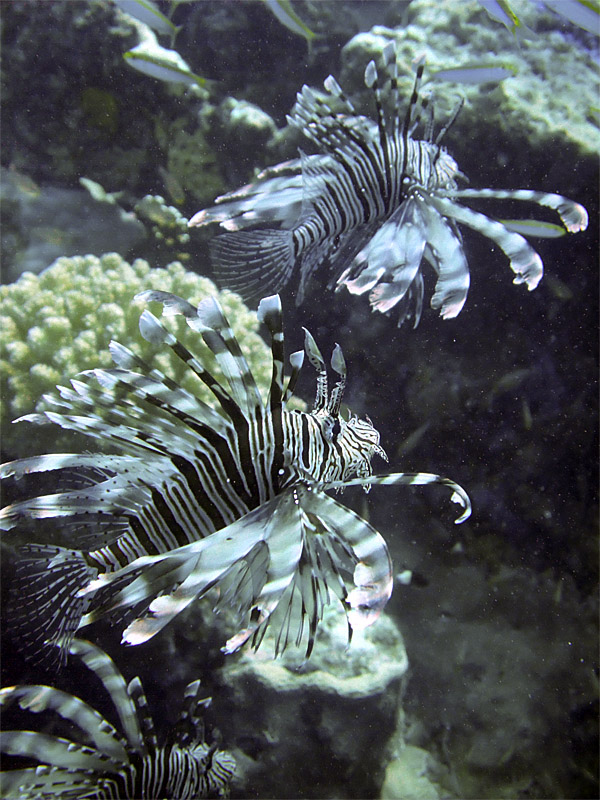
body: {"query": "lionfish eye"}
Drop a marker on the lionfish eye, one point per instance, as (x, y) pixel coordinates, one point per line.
(335, 431)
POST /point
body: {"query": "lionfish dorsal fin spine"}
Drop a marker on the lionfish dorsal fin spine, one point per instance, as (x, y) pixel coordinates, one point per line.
(135, 690)
(37, 698)
(189, 728)
(154, 332)
(372, 82)
(296, 362)
(104, 667)
(318, 362)
(270, 313)
(338, 364)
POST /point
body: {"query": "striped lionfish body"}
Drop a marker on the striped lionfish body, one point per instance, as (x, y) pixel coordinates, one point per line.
(196, 498)
(372, 205)
(104, 762)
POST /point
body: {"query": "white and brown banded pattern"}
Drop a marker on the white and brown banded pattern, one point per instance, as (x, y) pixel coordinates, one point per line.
(195, 497)
(371, 206)
(102, 761)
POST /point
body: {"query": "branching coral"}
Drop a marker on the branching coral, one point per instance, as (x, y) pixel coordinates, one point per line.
(60, 322)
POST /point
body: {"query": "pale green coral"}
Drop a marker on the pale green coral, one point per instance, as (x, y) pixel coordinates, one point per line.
(167, 222)
(192, 162)
(61, 321)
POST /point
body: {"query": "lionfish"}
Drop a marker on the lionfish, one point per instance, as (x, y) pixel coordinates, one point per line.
(372, 204)
(104, 762)
(232, 497)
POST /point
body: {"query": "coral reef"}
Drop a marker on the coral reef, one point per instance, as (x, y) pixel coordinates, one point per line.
(535, 107)
(317, 729)
(60, 322)
(497, 702)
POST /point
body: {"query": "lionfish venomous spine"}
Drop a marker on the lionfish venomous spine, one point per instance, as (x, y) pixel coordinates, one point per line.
(103, 762)
(372, 205)
(198, 497)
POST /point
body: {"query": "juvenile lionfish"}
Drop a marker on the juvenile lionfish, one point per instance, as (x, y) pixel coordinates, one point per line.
(197, 498)
(104, 762)
(371, 205)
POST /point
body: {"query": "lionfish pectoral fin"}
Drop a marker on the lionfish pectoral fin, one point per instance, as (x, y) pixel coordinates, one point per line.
(44, 608)
(373, 576)
(445, 253)
(389, 262)
(525, 262)
(458, 496)
(253, 263)
(271, 577)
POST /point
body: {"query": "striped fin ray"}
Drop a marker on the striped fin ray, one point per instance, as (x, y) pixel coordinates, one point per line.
(197, 445)
(573, 215)
(270, 313)
(296, 362)
(296, 575)
(338, 364)
(106, 413)
(47, 783)
(318, 362)
(156, 334)
(153, 386)
(196, 568)
(305, 598)
(43, 608)
(210, 321)
(105, 669)
(372, 82)
(189, 728)
(411, 479)
(117, 496)
(524, 261)
(252, 262)
(45, 698)
(177, 416)
(389, 263)
(55, 750)
(145, 723)
(411, 119)
(445, 253)
(373, 574)
(276, 199)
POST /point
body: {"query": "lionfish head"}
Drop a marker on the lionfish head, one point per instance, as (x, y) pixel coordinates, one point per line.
(363, 442)
(445, 171)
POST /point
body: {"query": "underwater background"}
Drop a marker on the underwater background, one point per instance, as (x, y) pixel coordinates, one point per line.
(481, 677)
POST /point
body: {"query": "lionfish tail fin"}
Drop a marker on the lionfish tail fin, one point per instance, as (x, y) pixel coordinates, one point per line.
(44, 610)
(253, 263)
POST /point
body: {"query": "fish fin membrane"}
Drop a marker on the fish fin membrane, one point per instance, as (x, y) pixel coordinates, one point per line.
(253, 263)
(43, 609)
